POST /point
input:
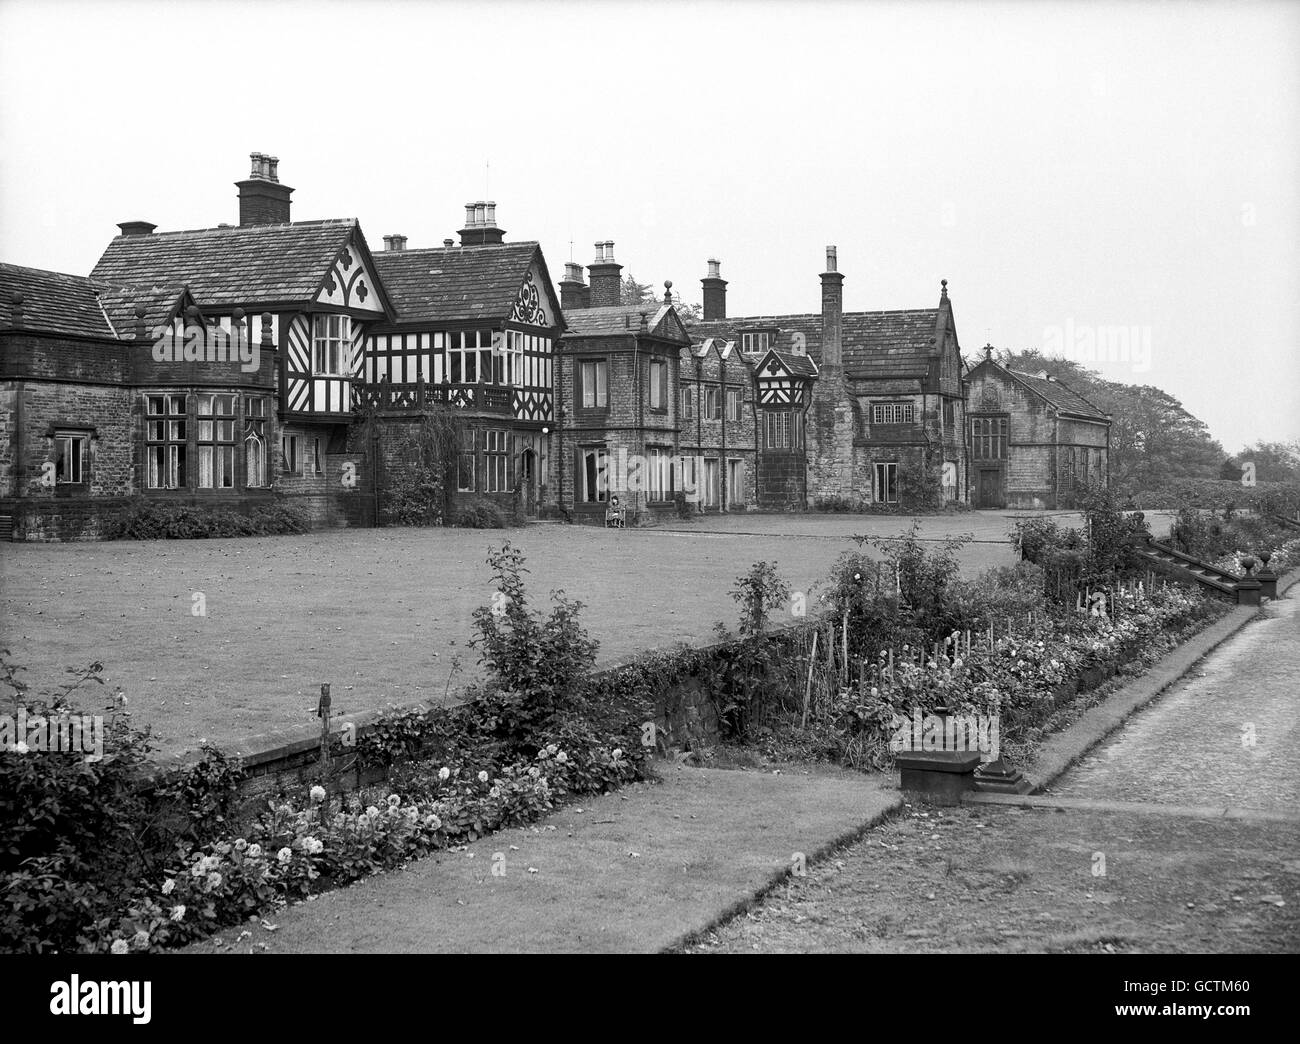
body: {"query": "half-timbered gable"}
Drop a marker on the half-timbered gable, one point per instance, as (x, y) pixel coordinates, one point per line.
(474, 327)
(1034, 442)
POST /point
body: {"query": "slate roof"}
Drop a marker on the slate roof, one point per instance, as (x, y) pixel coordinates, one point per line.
(618, 319)
(455, 284)
(53, 302)
(243, 264)
(160, 305)
(798, 365)
(1059, 395)
(889, 344)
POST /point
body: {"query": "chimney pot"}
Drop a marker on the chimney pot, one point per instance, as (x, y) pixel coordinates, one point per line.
(491, 213)
(262, 199)
(832, 312)
(606, 277)
(137, 228)
(469, 215)
(480, 213)
(715, 292)
(448, 243)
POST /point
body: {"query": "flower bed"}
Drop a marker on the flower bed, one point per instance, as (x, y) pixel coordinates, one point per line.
(1022, 679)
(298, 849)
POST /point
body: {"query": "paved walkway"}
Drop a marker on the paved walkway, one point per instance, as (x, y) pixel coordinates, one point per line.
(630, 872)
(1226, 735)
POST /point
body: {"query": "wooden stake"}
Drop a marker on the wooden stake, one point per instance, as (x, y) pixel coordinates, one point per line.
(807, 691)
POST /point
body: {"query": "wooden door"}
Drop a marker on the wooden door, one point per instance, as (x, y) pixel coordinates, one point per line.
(989, 490)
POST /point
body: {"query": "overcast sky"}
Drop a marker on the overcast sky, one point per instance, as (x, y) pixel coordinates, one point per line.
(1082, 174)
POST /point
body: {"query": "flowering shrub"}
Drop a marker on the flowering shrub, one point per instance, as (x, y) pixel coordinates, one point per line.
(294, 850)
(1020, 679)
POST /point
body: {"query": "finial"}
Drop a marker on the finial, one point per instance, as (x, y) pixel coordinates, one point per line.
(668, 290)
(988, 353)
(943, 292)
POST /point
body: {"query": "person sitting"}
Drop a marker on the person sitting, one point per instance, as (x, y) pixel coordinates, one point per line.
(614, 514)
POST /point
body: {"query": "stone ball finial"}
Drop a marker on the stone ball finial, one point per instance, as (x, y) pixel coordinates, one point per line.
(1248, 563)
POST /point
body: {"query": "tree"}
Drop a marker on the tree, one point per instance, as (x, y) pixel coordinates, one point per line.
(1274, 461)
(633, 292)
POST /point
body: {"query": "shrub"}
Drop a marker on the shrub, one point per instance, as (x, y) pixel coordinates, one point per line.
(480, 515)
(536, 666)
(149, 520)
(834, 503)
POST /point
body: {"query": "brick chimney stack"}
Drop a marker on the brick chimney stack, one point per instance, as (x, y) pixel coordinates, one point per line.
(262, 199)
(715, 292)
(481, 225)
(394, 244)
(137, 228)
(16, 311)
(832, 312)
(574, 293)
(606, 277)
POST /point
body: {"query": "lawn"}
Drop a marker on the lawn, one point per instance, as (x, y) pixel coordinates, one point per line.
(381, 614)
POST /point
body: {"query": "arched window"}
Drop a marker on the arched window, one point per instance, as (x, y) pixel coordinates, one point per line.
(254, 461)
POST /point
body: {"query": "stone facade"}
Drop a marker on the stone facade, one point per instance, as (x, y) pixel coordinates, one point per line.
(1035, 442)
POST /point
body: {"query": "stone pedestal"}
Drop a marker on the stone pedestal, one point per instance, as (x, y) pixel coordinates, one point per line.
(938, 776)
(997, 777)
(1249, 590)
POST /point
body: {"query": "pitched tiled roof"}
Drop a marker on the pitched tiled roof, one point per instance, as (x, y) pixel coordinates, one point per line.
(245, 264)
(874, 344)
(455, 284)
(798, 364)
(618, 319)
(160, 305)
(1058, 394)
(53, 302)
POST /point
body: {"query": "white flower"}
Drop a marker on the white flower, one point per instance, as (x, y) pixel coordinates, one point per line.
(214, 880)
(444, 773)
(372, 812)
(394, 800)
(494, 792)
(254, 851)
(317, 795)
(551, 748)
(432, 822)
(141, 940)
(119, 946)
(533, 772)
(562, 757)
(168, 886)
(20, 747)
(240, 844)
(284, 855)
(178, 912)
(315, 846)
(482, 777)
(618, 753)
